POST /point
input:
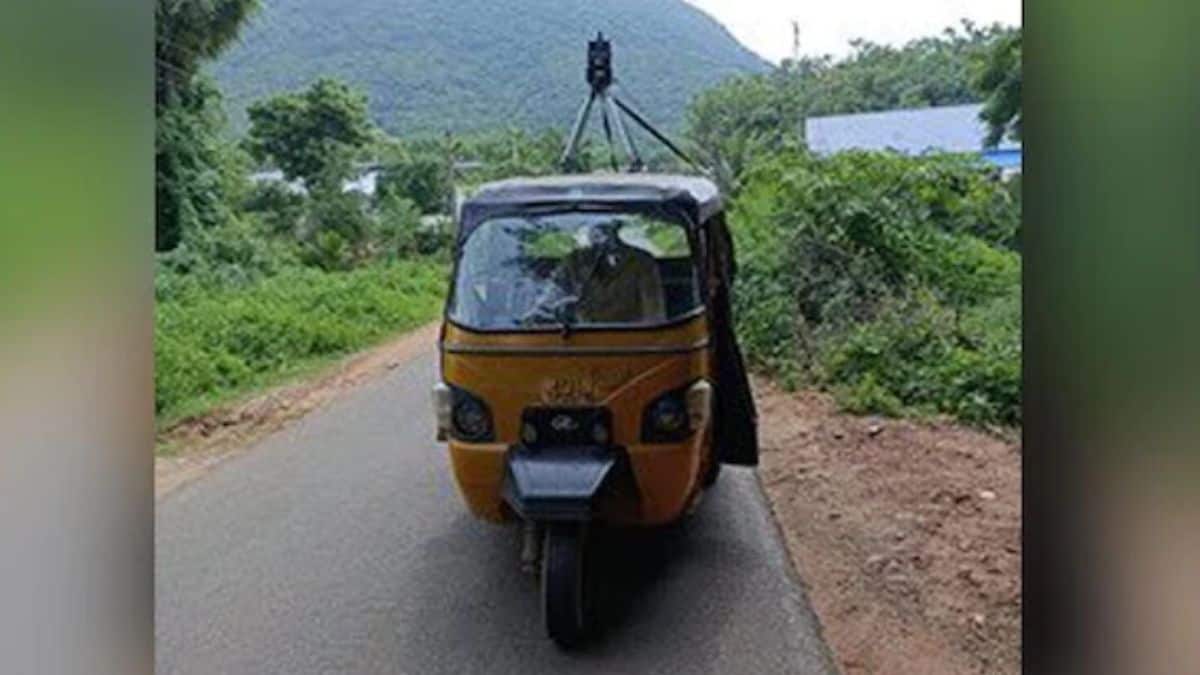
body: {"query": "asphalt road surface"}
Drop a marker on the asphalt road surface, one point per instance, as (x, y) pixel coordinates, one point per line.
(340, 545)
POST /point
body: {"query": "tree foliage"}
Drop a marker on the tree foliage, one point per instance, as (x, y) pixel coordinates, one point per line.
(423, 178)
(512, 151)
(890, 279)
(929, 71)
(999, 82)
(312, 135)
(192, 164)
(190, 32)
(730, 124)
(748, 116)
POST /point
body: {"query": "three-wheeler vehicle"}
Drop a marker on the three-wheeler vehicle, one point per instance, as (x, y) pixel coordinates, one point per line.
(589, 370)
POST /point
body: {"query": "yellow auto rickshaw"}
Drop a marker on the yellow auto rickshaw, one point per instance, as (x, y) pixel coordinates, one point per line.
(589, 371)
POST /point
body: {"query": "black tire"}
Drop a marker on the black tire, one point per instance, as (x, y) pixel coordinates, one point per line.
(564, 584)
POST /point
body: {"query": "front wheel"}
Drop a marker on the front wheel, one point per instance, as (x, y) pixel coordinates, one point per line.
(564, 588)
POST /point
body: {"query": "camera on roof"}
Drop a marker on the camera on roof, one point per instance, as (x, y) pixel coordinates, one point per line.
(599, 69)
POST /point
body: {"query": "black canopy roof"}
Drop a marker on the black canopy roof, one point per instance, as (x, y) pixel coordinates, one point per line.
(694, 196)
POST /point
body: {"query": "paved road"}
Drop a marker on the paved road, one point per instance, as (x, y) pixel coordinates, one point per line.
(339, 545)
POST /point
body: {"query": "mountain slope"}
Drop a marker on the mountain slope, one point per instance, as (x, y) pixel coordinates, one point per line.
(429, 66)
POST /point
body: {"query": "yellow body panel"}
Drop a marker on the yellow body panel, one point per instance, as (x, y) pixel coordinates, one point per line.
(622, 370)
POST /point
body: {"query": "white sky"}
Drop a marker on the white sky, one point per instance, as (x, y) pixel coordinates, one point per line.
(826, 26)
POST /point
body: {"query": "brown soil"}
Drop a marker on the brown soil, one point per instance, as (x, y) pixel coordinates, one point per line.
(198, 444)
(907, 533)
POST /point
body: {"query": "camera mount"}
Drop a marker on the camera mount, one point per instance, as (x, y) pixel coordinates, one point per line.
(600, 78)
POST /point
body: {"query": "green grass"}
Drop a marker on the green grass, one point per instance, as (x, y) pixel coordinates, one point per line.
(214, 345)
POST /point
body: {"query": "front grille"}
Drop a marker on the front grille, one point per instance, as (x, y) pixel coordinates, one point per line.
(565, 426)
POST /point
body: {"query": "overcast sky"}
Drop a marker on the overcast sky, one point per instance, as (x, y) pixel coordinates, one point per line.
(826, 26)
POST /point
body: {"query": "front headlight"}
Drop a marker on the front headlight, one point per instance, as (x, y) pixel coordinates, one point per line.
(665, 420)
(471, 419)
(461, 414)
(677, 414)
(667, 415)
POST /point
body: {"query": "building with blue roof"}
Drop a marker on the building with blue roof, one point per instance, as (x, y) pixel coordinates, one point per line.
(915, 131)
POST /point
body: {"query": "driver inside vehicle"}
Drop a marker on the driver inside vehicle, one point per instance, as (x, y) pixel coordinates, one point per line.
(613, 281)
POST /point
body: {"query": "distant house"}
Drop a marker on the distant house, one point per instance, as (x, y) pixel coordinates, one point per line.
(912, 132)
(365, 182)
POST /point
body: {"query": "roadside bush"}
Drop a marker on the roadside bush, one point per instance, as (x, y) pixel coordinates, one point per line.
(236, 253)
(435, 236)
(396, 226)
(212, 343)
(328, 250)
(335, 232)
(877, 275)
(917, 357)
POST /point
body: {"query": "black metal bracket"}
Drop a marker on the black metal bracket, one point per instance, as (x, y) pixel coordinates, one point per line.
(600, 78)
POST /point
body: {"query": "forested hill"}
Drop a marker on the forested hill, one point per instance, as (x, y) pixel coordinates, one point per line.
(431, 65)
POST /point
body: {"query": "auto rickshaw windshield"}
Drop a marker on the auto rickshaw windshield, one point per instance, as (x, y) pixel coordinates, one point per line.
(574, 269)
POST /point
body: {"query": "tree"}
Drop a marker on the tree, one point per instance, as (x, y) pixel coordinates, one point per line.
(998, 80)
(192, 173)
(422, 177)
(190, 188)
(929, 71)
(312, 135)
(190, 32)
(513, 151)
(730, 124)
(742, 117)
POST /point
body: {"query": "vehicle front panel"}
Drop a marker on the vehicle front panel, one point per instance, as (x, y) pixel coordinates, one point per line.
(620, 371)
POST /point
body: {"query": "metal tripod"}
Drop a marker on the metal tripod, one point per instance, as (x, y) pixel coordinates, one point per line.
(600, 79)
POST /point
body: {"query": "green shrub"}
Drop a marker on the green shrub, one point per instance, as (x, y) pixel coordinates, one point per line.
(396, 226)
(421, 178)
(218, 341)
(917, 357)
(236, 253)
(280, 209)
(892, 280)
(867, 395)
(336, 234)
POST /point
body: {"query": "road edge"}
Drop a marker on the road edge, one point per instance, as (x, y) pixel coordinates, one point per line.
(792, 569)
(201, 443)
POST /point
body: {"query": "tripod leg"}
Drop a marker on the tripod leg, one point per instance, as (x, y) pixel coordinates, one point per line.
(655, 132)
(612, 148)
(568, 156)
(635, 160)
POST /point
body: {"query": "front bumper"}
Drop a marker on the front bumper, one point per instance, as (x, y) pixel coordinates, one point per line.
(566, 483)
(660, 481)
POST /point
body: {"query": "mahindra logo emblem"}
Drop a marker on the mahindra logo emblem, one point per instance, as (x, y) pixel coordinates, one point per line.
(563, 423)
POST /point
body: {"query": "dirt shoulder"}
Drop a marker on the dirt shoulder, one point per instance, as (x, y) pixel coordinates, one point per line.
(198, 444)
(908, 534)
